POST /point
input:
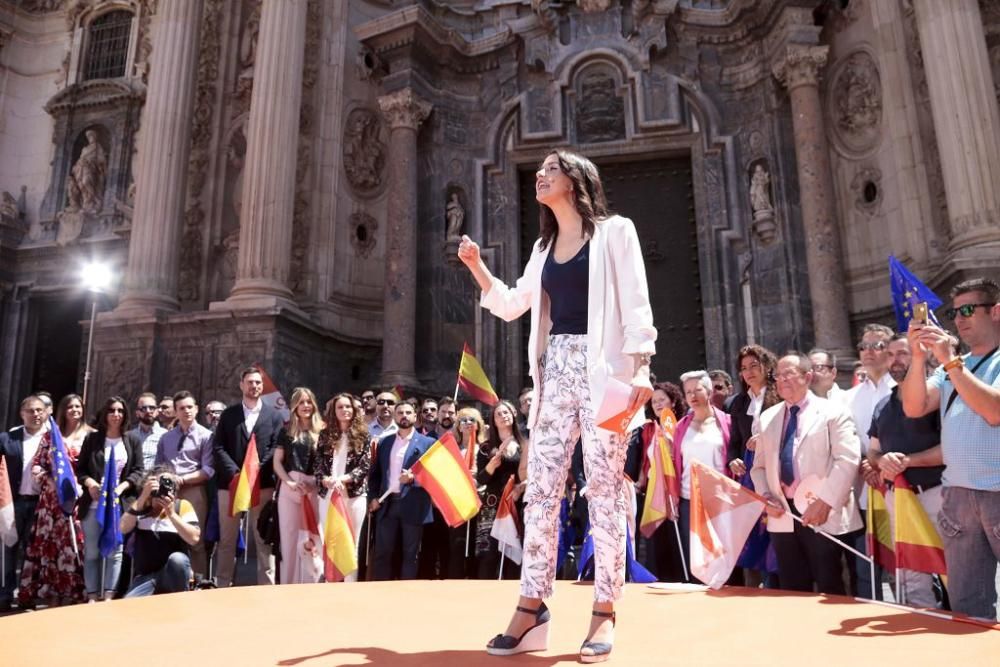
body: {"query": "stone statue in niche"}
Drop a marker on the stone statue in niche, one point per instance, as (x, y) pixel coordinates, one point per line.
(85, 185)
(364, 152)
(456, 217)
(760, 203)
(600, 112)
(859, 101)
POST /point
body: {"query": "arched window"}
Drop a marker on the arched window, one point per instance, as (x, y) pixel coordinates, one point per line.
(107, 46)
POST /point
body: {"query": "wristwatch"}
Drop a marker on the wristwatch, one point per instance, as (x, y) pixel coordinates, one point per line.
(957, 362)
(134, 512)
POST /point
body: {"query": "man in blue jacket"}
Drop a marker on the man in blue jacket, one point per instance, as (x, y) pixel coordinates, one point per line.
(400, 505)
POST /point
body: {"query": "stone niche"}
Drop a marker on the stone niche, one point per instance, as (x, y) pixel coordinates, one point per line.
(89, 194)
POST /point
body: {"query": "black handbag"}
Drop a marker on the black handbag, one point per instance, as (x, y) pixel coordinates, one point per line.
(267, 524)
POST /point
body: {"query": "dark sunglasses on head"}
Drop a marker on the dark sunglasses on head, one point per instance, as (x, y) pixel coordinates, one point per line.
(385, 401)
(877, 346)
(966, 310)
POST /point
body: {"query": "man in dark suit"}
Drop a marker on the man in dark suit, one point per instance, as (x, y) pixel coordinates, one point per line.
(17, 448)
(401, 515)
(249, 417)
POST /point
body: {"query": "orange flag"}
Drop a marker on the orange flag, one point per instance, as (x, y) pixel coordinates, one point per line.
(272, 395)
(918, 545)
(663, 489)
(472, 378)
(443, 473)
(244, 489)
(338, 539)
(878, 533)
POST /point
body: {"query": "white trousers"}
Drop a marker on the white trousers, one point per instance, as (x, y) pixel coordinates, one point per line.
(564, 416)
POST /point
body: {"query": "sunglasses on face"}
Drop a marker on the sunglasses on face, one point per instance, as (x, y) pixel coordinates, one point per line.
(966, 310)
(215, 412)
(466, 420)
(819, 368)
(429, 410)
(367, 398)
(166, 406)
(719, 387)
(147, 408)
(116, 411)
(877, 346)
(385, 401)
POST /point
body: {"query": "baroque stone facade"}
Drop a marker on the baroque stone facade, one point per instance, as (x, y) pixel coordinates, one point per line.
(299, 207)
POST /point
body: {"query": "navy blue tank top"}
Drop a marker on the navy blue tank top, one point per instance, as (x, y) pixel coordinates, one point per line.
(568, 287)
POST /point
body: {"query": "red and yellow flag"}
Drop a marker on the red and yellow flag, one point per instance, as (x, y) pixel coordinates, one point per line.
(443, 473)
(879, 533)
(338, 540)
(918, 545)
(244, 489)
(663, 490)
(472, 379)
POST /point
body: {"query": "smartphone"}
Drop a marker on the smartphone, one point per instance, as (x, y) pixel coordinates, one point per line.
(920, 312)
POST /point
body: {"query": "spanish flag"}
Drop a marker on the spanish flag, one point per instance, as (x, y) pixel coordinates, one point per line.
(338, 539)
(244, 489)
(879, 534)
(442, 471)
(663, 490)
(473, 380)
(918, 545)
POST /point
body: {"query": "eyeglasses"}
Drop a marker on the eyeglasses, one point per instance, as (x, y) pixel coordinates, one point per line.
(147, 408)
(966, 310)
(719, 387)
(819, 368)
(385, 401)
(116, 411)
(466, 420)
(877, 346)
(429, 410)
(215, 412)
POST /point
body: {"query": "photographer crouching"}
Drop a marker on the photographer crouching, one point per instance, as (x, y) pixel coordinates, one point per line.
(165, 529)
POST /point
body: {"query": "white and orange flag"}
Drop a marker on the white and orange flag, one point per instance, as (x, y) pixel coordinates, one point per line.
(506, 526)
(722, 515)
(272, 395)
(8, 529)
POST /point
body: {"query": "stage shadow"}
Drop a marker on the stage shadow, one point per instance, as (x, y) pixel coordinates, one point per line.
(895, 625)
(371, 655)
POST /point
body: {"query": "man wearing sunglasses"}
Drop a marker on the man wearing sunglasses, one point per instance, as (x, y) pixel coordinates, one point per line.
(861, 401)
(967, 391)
(383, 425)
(147, 429)
(428, 418)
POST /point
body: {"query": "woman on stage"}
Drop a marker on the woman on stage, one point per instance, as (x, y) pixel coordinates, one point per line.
(591, 324)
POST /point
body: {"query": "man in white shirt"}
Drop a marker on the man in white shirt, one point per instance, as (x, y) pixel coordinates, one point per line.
(147, 429)
(861, 401)
(824, 382)
(18, 448)
(383, 424)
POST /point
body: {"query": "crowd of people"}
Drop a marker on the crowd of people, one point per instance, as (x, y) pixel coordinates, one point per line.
(919, 409)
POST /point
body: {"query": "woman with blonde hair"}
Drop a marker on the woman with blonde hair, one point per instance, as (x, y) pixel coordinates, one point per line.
(342, 461)
(293, 463)
(470, 427)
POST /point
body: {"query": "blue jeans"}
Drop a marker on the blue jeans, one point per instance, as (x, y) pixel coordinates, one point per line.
(171, 578)
(969, 524)
(93, 562)
(24, 521)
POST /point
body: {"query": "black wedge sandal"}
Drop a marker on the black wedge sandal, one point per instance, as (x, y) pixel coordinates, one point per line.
(535, 638)
(601, 650)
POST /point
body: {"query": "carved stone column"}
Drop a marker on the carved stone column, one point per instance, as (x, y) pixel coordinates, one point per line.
(272, 146)
(404, 112)
(164, 146)
(966, 120)
(797, 67)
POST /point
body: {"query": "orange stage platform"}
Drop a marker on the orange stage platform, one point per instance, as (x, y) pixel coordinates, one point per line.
(444, 623)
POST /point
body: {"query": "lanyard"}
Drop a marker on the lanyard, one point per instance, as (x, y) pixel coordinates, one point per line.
(954, 391)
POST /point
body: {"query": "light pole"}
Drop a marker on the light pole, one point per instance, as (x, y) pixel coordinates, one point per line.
(96, 278)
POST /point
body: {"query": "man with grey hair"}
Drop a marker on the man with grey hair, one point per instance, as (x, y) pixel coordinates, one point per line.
(824, 367)
(213, 410)
(807, 439)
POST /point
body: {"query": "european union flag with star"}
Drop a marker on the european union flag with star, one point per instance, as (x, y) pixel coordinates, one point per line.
(634, 571)
(62, 471)
(109, 510)
(908, 291)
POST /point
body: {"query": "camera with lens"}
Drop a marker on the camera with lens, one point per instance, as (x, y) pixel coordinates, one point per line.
(168, 487)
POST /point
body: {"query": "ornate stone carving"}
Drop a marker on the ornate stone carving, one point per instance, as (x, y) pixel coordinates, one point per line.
(121, 374)
(760, 203)
(590, 6)
(800, 65)
(188, 288)
(839, 17)
(600, 110)
(455, 214)
(404, 109)
(40, 6)
(86, 181)
(362, 228)
(364, 151)
(856, 102)
(866, 186)
(13, 225)
(303, 165)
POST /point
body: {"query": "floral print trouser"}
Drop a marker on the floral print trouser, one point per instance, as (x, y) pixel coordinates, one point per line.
(564, 415)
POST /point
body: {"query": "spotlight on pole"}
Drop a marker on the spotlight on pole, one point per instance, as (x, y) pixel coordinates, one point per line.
(96, 278)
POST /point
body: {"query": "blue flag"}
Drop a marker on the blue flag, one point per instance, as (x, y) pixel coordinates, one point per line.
(907, 291)
(634, 571)
(109, 510)
(62, 471)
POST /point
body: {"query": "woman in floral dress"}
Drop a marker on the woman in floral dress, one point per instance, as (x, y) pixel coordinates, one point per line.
(53, 566)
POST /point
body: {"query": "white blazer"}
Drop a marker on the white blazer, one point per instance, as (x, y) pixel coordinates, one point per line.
(619, 317)
(827, 446)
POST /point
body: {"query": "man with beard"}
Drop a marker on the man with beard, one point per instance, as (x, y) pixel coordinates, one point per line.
(400, 505)
(147, 429)
(447, 410)
(912, 448)
(429, 418)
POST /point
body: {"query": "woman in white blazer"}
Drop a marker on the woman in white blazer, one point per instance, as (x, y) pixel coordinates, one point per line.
(591, 325)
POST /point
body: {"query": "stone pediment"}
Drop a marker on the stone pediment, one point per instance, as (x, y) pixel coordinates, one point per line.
(96, 94)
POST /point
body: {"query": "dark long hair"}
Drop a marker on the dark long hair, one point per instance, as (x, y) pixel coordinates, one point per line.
(588, 193)
(674, 395)
(769, 362)
(357, 432)
(63, 407)
(494, 438)
(101, 420)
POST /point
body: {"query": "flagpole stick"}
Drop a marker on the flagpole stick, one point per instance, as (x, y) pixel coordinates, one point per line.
(455, 397)
(870, 561)
(72, 533)
(245, 529)
(503, 548)
(3, 565)
(680, 549)
(468, 525)
(899, 599)
(104, 564)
